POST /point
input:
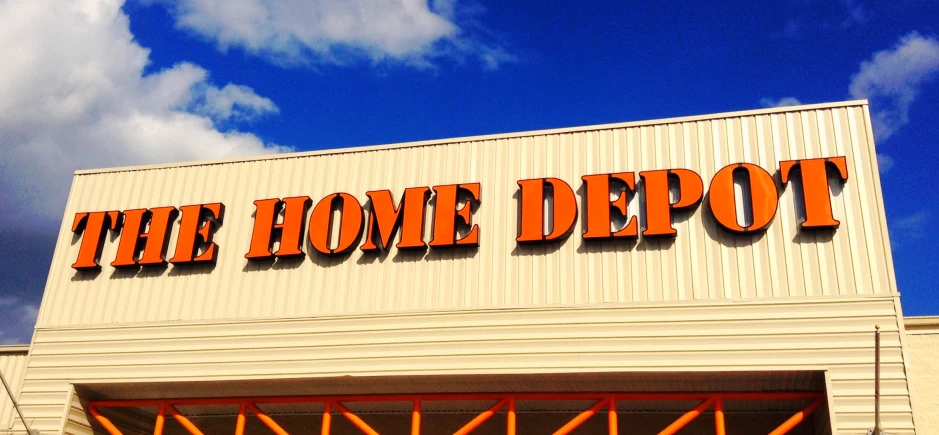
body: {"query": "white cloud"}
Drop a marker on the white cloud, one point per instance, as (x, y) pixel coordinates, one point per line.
(909, 228)
(340, 31)
(854, 14)
(915, 222)
(782, 102)
(18, 321)
(885, 163)
(891, 80)
(857, 13)
(234, 101)
(73, 95)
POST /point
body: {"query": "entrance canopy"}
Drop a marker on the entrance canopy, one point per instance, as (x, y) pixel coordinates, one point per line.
(752, 402)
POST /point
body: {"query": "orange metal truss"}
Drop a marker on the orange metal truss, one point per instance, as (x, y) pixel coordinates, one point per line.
(504, 401)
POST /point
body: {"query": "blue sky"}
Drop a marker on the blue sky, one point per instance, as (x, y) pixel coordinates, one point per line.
(99, 83)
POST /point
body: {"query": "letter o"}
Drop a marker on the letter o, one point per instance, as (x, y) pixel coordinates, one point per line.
(350, 223)
(764, 197)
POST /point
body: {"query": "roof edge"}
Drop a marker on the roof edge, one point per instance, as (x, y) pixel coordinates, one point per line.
(921, 321)
(442, 141)
(14, 349)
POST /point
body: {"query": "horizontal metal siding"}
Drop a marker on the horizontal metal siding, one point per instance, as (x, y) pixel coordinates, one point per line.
(832, 335)
(13, 367)
(76, 418)
(702, 263)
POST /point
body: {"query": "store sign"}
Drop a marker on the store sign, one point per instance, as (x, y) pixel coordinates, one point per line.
(145, 233)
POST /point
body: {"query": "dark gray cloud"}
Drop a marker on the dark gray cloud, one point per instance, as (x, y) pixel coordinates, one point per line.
(26, 256)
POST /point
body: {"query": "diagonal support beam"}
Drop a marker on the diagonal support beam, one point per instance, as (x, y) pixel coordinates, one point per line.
(358, 422)
(582, 417)
(171, 410)
(267, 420)
(799, 417)
(688, 417)
(481, 418)
(104, 421)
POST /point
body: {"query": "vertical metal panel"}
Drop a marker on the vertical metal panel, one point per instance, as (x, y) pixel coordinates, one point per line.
(13, 366)
(702, 262)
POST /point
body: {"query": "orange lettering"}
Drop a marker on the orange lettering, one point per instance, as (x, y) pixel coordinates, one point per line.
(155, 238)
(598, 206)
(659, 205)
(195, 228)
(291, 230)
(815, 190)
(350, 223)
(764, 197)
(93, 226)
(532, 198)
(385, 219)
(447, 217)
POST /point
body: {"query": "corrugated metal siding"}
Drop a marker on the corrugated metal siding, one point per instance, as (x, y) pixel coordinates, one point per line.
(13, 366)
(832, 335)
(701, 263)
